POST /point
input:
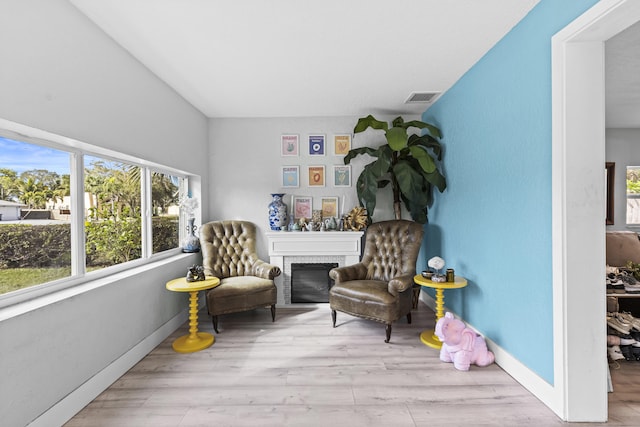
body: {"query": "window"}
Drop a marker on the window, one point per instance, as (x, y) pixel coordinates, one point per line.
(113, 223)
(66, 212)
(165, 196)
(633, 195)
(35, 244)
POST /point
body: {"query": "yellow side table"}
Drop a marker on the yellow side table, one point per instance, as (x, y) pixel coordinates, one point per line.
(195, 341)
(428, 336)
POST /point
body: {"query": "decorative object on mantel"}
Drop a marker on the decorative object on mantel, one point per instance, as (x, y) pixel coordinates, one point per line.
(461, 345)
(277, 212)
(407, 162)
(195, 273)
(330, 224)
(357, 219)
(190, 243)
(437, 264)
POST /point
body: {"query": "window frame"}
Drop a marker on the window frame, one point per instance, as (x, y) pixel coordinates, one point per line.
(77, 150)
(628, 196)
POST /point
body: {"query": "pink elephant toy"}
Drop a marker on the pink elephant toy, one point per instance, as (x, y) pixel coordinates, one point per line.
(461, 345)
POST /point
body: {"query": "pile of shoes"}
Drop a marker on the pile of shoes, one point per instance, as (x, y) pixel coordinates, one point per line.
(621, 281)
(623, 339)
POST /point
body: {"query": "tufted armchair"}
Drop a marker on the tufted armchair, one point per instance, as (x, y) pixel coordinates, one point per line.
(380, 286)
(246, 282)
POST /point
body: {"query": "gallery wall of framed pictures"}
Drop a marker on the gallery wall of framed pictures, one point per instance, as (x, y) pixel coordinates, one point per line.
(315, 146)
(313, 163)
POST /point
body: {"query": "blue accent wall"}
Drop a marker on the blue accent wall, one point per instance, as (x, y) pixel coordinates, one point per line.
(493, 222)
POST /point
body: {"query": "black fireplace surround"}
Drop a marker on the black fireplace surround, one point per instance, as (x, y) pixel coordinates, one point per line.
(310, 282)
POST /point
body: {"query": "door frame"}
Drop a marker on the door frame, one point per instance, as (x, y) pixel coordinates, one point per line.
(578, 214)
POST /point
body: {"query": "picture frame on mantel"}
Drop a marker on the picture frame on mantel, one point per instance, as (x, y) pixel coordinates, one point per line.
(329, 207)
(302, 207)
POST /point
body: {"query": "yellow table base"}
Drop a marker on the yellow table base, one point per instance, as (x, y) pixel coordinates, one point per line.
(429, 338)
(187, 344)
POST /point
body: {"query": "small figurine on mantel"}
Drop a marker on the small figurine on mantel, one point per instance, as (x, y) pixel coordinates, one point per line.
(195, 273)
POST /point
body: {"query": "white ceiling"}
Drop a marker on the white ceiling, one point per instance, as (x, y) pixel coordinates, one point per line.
(292, 58)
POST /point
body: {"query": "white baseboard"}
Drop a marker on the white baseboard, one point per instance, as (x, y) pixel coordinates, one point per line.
(65, 409)
(541, 389)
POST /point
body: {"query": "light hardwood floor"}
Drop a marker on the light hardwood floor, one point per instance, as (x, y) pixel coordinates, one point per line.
(299, 371)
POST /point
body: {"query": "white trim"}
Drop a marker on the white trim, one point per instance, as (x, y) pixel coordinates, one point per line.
(580, 371)
(516, 369)
(65, 409)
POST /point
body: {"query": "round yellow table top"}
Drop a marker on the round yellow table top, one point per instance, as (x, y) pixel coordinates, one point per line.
(181, 284)
(459, 282)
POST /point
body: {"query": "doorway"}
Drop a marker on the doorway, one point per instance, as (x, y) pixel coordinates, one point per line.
(578, 194)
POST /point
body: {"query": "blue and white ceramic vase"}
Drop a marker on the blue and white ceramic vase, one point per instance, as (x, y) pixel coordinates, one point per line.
(191, 243)
(277, 212)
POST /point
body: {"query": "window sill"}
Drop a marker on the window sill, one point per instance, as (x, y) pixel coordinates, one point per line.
(16, 306)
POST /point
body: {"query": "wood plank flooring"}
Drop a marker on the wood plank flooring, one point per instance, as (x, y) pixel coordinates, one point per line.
(299, 371)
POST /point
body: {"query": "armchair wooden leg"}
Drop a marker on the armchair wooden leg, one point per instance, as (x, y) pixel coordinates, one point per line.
(333, 317)
(388, 331)
(409, 318)
(215, 323)
(273, 313)
(416, 296)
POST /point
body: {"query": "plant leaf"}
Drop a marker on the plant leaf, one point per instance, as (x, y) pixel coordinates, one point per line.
(409, 180)
(398, 122)
(397, 138)
(434, 131)
(367, 187)
(435, 178)
(357, 151)
(369, 122)
(426, 161)
(428, 142)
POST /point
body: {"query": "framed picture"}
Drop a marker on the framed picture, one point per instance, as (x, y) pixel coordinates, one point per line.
(341, 144)
(342, 176)
(289, 145)
(302, 207)
(316, 176)
(316, 145)
(290, 176)
(329, 207)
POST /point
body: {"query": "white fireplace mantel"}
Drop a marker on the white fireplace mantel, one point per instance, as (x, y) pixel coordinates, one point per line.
(343, 247)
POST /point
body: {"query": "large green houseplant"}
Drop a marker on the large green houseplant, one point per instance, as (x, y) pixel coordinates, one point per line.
(406, 161)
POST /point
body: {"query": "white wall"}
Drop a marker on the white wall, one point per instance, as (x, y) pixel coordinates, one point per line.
(622, 148)
(61, 74)
(245, 166)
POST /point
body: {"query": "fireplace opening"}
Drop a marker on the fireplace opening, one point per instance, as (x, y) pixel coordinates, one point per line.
(311, 282)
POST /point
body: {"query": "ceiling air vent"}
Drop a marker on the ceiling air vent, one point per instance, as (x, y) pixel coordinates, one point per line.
(421, 97)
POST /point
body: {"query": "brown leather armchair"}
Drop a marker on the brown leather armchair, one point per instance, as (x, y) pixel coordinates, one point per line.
(246, 282)
(380, 286)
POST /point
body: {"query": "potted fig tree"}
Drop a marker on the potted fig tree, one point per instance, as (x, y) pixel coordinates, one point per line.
(408, 162)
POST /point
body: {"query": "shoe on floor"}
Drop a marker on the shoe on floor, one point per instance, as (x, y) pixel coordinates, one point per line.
(615, 353)
(627, 352)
